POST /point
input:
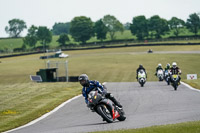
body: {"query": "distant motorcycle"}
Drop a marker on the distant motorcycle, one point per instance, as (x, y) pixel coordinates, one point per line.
(174, 81)
(105, 107)
(141, 77)
(167, 77)
(160, 75)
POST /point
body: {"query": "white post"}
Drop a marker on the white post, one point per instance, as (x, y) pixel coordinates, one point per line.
(66, 72)
(48, 64)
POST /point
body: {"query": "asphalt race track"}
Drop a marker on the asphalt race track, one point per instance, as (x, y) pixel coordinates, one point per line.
(154, 104)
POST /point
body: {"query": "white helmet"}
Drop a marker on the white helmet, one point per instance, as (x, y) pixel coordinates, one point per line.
(159, 64)
(174, 64)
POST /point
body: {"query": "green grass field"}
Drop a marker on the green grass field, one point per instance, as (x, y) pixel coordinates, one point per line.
(22, 100)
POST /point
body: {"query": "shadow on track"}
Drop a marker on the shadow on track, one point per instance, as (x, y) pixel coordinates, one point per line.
(93, 124)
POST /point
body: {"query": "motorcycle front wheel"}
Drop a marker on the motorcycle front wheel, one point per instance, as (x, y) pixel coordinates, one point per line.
(175, 86)
(141, 84)
(105, 113)
(168, 82)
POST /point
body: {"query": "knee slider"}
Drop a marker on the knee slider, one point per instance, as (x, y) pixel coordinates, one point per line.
(111, 95)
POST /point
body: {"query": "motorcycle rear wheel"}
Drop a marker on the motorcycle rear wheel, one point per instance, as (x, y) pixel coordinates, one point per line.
(122, 116)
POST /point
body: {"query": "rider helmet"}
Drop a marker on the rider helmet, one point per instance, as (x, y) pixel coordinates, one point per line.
(174, 64)
(168, 65)
(159, 65)
(140, 66)
(84, 80)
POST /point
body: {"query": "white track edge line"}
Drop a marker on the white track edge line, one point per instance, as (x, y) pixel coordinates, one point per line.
(43, 116)
(190, 87)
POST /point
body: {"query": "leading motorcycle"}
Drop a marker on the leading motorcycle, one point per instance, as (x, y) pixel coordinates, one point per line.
(105, 107)
(175, 81)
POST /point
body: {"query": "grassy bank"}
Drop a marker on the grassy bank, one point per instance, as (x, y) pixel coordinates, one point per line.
(194, 83)
(22, 100)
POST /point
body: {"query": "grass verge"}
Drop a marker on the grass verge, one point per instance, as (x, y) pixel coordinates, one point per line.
(188, 127)
(193, 83)
(24, 102)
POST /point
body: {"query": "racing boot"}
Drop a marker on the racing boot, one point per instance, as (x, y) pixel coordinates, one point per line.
(115, 101)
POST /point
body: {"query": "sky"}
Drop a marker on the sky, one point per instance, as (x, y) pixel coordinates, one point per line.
(48, 12)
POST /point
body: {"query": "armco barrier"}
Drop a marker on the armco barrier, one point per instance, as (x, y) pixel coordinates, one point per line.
(106, 46)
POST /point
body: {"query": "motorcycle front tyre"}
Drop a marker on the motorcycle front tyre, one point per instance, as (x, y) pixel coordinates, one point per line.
(168, 82)
(142, 84)
(175, 87)
(102, 111)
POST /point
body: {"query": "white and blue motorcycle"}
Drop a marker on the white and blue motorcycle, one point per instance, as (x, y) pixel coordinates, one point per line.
(167, 77)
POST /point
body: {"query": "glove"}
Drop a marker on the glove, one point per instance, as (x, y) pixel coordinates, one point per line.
(104, 92)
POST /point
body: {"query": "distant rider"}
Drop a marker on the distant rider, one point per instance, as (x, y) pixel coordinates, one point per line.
(175, 70)
(159, 67)
(167, 67)
(140, 68)
(89, 85)
(167, 70)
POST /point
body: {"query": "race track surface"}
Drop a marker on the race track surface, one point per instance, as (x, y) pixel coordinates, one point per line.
(154, 104)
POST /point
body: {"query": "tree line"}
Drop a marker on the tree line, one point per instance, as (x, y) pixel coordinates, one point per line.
(82, 29)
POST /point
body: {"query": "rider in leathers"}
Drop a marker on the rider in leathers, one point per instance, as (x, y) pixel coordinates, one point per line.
(140, 68)
(89, 85)
(167, 67)
(159, 67)
(175, 70)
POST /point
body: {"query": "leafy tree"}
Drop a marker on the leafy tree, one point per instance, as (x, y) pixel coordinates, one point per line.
(63, 39)
(127, 26)
(158, 26)
(59, 28)
(176, 24)
(100, 30)
(16, 26)
(139, 27)
(31, 38)
(193, 23)
(44, 35)
(82, 29)
(113, 25)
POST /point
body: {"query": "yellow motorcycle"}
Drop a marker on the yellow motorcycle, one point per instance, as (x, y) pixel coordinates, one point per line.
(175, 81)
